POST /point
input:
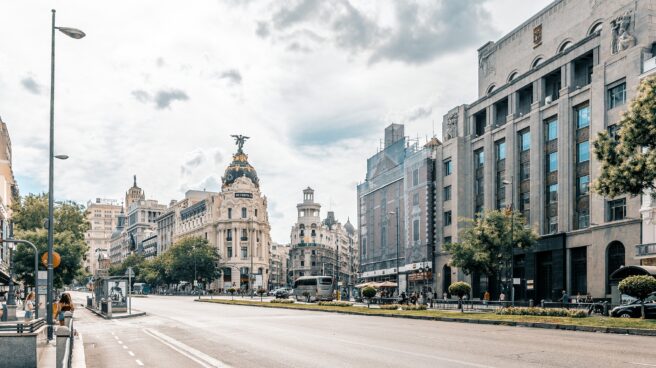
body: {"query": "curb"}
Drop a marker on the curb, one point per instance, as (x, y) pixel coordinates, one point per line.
(543, 325)
(138, 314)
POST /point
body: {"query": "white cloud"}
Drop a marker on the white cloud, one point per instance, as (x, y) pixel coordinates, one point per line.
(140, 94)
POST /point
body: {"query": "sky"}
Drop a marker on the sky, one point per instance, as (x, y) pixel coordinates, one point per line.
(157, 87)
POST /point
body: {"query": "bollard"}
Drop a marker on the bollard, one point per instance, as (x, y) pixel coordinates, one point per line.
(542, 303)
(530, 302)
(68, 316)
(63, 334)
(109, 309)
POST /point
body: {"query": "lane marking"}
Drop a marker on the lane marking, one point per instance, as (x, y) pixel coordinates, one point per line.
(125, 347)
(131, 353)
(115, 337)
(191, 353)
(139, 362)
(643, 364)
(120, 342)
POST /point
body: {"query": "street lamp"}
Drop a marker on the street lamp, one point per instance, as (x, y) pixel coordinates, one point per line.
(512, 246)
(398, 276)
(76, 34)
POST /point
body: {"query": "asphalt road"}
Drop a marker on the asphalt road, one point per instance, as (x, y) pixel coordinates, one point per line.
(178, 332)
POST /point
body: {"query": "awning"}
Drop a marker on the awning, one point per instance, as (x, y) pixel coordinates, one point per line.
(626, 271)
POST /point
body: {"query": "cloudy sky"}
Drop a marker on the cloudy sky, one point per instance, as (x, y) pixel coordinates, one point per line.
(157, 88)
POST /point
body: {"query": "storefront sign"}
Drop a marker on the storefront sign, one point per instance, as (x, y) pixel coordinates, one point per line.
(420, 276)
(529, 284)
(243, 195)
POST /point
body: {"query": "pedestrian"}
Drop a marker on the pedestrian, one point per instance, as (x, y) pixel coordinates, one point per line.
(486, 297)
(65, 305)
(445, 296)
(28, 306)
(564, 299)
(502, 297)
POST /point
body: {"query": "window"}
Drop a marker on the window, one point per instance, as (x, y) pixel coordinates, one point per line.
(617, 209)
(447, 168)
(501, 150)
(552, 163)
(244, 212)
(447, 218)
(415, 177)
(552, 225)
(447, 240)
(244, 234)
(525, 204)
(583, 117)
(552, 130)
(302, 263)
(525, 140)
(617, 95)
(415, 230)
(583, 151)
(615, 258)
(256, 212)
(244, 252)
(415, 199)
(447, 193)
(524, 170)
(229, 235)
(229, 213)
(582, 185)
(478, 186)
(553, 194)
(479, 158)
(229, 252)
(613, 131)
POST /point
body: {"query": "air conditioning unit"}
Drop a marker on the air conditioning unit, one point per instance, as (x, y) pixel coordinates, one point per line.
(548, 100)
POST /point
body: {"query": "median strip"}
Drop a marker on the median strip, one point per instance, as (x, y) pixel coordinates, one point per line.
(588, 324)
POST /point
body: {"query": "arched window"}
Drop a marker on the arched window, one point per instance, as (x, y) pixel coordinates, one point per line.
(597, 27)
(564, 46)
(615, 258)
(314, 233)
(512, 76)
(490, 89)
(536, 62)
(446, 278)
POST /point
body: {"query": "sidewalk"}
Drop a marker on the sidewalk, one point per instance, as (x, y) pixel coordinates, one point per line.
(135, 313)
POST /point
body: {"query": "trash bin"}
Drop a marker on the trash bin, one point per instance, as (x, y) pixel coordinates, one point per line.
(89, 302)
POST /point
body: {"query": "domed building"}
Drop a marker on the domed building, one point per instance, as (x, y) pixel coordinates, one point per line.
(234, 220)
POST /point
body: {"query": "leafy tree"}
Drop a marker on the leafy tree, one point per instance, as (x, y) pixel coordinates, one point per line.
(460, 289)
(485, 247)
(261, 291)
(369, 292)
(156, 271)
(136, 261)
(638, 287)
(628, 161)
(232, 291)
(29, 217)
(192, 256)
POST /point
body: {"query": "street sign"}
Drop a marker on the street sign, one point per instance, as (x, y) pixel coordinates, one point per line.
(56, 259)
(42, 289)
(517, 281)
(129, 272)
(42, 278)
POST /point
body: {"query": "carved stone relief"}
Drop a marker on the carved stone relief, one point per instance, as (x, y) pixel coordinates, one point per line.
(622, 38)
(451, 126)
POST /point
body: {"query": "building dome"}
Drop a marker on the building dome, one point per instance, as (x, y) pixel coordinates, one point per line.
(239, 166)
(349, 227)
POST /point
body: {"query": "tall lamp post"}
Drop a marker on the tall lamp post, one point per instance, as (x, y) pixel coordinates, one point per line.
(512, 240)
(398, 275)
(76, 34)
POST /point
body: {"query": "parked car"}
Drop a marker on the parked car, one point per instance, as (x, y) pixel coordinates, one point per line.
(281, 293)
(632, 310)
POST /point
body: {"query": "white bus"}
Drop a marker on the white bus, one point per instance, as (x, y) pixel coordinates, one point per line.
(317, 287)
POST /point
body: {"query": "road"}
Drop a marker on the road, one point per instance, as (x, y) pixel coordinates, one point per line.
(178, 332)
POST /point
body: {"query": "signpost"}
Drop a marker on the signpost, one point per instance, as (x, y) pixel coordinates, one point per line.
(130, 274)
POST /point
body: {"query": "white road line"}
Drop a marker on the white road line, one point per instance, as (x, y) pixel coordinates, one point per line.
(125, 347)
(115, 337)
(191, 353)
(139, 362)
(643, 364)
(120, 342)
(131, 353)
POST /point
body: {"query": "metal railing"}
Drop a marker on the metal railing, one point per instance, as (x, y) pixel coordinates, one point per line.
(23, 327)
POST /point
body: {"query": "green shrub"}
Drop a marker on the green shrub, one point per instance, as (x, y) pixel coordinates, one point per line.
(545, 312)
(459, 289)
(282, 301)
(638, 286)
(413, 307)
(369, 292)
(390, 306)
(336, 304)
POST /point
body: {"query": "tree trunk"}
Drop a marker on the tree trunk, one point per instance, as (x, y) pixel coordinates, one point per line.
(642, 309)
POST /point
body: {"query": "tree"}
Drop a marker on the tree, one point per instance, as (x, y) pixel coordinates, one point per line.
(261, 291)
(628, 161)
(369, 292)
(460, 289)
(638, 287)
(192, 257)
(485, 247)
(30, 220)
(232, 290)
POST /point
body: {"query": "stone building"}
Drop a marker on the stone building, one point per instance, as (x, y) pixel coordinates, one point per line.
(234, 220)
(102, 215)
(8, 193)
(322, 247)
(278, 265)
(395, 213)
(546, 90)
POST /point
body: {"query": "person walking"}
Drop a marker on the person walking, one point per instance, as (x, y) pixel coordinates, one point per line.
(29, 306)
(564, 299)
(486, 297)
(65, 305)
(502, 297)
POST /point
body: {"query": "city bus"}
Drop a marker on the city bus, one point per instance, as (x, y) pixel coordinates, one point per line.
(318, 287)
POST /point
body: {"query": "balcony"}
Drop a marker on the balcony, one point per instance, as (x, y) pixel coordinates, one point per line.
(645, 250)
